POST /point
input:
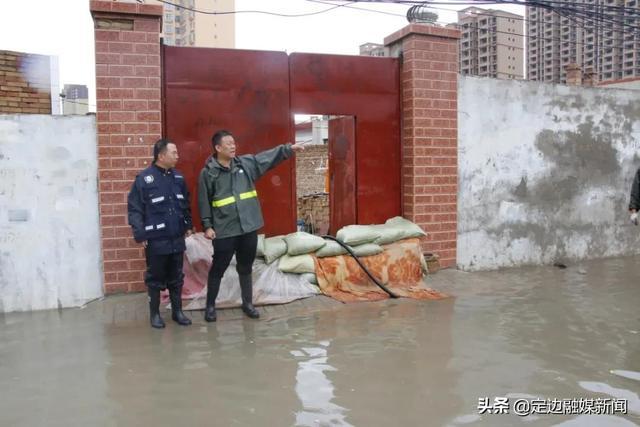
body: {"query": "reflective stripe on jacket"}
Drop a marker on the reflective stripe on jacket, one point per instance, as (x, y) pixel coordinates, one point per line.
(158, 209)
(227, 197)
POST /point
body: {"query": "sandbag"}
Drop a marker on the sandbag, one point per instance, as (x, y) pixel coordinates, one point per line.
(331, 248)
(270, 286)
(388, 234)
(409, 229)
(354, 235)
(367, 249)
(311, 278)
(297, 264)
(260, 247)
(274, 248)
(300, 243)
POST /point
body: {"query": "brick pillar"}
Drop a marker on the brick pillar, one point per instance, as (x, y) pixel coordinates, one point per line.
(128, 71)
(574, 74)
(429, 78)
(589, 77)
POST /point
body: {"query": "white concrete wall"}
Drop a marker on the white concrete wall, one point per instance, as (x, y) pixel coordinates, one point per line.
(544, 173)
(631, 85)
(49, 226)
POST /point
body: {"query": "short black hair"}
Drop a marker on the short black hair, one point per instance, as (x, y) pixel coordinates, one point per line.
(216, 139)
(160, 147)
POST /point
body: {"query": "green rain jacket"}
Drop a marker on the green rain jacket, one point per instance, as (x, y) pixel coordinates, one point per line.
(227, 197)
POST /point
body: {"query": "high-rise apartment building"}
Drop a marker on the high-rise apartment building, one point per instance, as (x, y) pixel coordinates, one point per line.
(75, 100)
(183, 25)
(491, 43)
(602, 46)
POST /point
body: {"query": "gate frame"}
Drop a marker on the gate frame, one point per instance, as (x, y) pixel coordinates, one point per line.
(128, 123)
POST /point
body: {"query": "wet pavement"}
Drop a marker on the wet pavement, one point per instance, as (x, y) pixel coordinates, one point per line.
(531, 333)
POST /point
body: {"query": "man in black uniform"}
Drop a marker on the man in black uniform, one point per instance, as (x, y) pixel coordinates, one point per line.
(160, 217)
(230, 212)
(634, 202)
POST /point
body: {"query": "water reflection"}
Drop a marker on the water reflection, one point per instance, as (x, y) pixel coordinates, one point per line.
(315, 390)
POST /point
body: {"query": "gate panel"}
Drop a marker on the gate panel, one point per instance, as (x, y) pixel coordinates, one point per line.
(342, 170)
(245, 92)
(367, 88)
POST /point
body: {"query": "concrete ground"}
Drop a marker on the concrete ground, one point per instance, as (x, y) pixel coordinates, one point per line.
(528, 335)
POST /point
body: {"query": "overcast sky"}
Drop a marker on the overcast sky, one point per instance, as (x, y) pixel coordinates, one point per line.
(64, 28)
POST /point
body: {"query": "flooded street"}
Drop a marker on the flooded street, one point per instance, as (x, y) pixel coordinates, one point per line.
(530, 333)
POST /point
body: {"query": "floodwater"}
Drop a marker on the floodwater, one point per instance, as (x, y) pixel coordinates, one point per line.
(521, 334)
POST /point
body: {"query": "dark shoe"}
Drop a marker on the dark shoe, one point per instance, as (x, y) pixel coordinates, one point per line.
(246, 290)
(210, 313)
(157, 322)
(176, 307)
(154, 309)
(250, 311)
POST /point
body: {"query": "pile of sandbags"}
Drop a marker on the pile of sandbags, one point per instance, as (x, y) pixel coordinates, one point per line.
(294, 252)
(366, 240)
(298, 259)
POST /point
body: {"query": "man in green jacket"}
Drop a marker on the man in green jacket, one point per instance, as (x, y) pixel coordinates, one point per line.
(230, 212)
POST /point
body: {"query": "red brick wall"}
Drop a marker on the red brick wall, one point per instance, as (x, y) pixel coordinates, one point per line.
(430, 133)
(315, 210)
(308, 179)
(25, 83)
(127, 38)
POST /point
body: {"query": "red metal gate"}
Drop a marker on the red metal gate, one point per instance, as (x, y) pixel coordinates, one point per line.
(254, 94)
(367, 88)
(342, 173)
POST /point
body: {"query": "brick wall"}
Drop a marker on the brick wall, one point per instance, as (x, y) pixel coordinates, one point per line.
(308, 179)
(314, 209)
(429, 132)
(127, 38)
(25, 83)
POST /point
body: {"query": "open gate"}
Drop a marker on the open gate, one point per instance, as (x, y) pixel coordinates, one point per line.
(255, 94)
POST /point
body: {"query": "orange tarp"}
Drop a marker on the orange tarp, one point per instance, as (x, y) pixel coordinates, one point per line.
(399, 268)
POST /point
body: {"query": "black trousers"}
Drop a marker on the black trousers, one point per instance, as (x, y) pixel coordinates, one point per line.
(164, 271)
(244, 248)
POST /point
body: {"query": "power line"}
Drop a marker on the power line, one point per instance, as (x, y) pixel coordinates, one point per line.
(494, 2)
(582, 13)
(579, 9)
(572, 42)
(514, 17)
(263, 12)
(346, 6)
(76, 102)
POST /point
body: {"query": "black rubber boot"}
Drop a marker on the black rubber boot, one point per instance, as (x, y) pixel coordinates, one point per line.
(178, 316)
(210, 309)
(246, 289)
(154, 308)
(213, 287)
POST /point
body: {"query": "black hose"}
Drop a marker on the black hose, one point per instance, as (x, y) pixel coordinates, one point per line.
(376, 281)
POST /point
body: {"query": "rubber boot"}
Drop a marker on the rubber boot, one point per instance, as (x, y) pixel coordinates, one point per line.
(210, 309)
(213, 286)
(154, 308)
(175, 294)
(246, 289)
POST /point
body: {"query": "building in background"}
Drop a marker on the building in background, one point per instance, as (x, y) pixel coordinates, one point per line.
(373, 49)
(184, 27)
(313, 131)
(604, 49)
(491, 43)
(75, 99)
